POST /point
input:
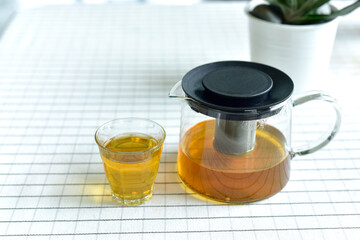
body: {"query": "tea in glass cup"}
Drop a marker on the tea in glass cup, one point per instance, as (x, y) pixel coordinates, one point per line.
(131, 149)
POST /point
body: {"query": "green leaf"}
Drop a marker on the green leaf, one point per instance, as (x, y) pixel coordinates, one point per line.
(310, 5)
(314, 18)
(292, 4)
(317, 18)
(346, 10)
(304, 11)
(282, 5)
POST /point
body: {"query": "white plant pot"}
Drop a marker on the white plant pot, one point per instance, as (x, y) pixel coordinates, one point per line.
(301, 51)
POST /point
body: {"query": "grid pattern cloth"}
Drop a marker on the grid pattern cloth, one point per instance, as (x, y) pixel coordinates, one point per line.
(65, 70)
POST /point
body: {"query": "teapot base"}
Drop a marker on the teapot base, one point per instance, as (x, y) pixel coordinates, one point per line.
(199, 195)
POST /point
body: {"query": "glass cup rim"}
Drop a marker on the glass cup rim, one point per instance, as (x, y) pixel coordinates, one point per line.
(157, 146)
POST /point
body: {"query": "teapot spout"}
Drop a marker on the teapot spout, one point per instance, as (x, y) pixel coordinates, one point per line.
(177, 92)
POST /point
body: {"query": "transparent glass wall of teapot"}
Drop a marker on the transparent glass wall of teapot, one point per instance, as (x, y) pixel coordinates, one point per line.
(254, 175)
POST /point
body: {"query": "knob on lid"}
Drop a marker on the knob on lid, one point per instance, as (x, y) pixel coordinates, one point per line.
(234, 87)
(238, 83)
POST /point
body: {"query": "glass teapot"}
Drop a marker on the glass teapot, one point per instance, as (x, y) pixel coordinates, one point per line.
(235, 130)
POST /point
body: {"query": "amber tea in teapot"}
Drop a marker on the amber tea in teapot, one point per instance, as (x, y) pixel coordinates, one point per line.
(251, 176)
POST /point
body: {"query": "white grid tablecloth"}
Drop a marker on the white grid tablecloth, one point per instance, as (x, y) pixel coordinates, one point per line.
(64, 70)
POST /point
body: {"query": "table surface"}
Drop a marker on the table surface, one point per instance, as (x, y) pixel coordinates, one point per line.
(65, 70)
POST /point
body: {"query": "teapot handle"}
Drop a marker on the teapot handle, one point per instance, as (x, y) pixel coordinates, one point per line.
(333, 130)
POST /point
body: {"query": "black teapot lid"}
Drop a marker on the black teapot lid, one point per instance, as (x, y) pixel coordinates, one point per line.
(236, 90)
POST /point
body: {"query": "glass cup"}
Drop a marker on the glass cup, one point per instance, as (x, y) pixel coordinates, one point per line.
(130, 149)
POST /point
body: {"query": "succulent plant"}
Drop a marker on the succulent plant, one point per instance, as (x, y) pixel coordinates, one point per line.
(300, 12)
